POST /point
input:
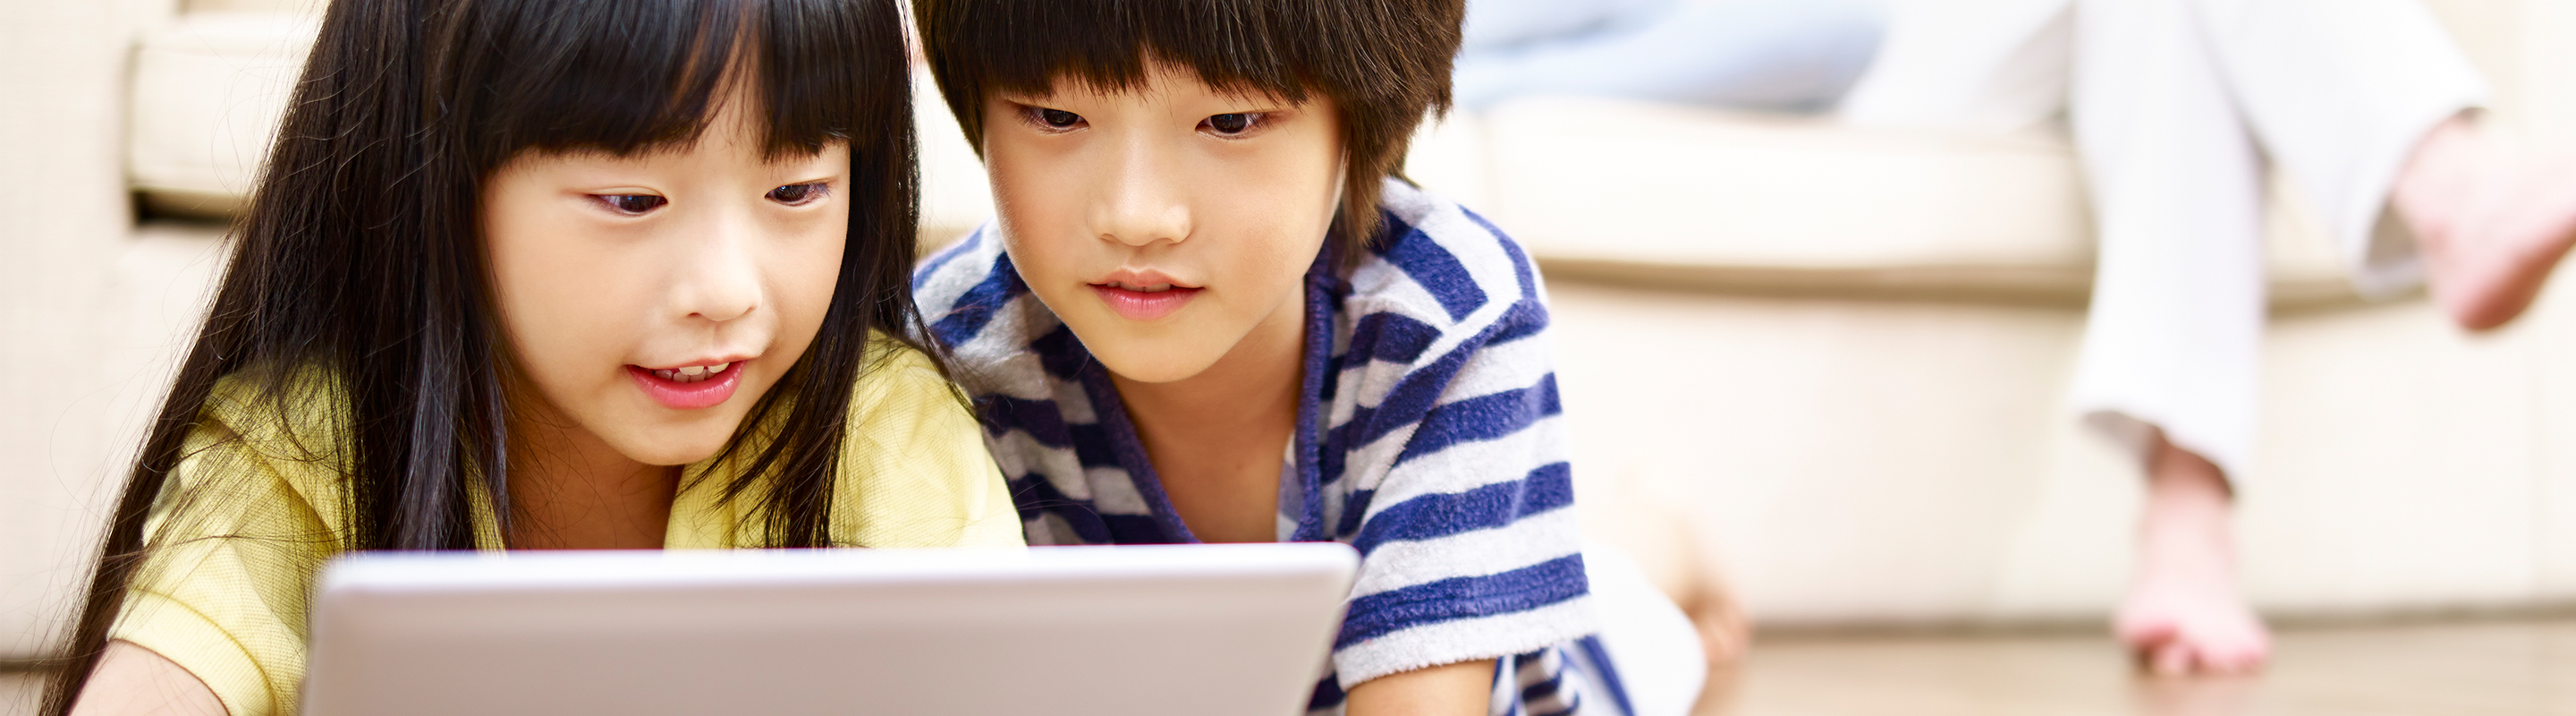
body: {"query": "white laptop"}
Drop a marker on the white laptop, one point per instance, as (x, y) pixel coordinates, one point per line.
(1199, 630)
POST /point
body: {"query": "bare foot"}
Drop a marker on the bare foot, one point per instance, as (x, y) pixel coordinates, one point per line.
(1724, 633)
(2491, 226)
(1668, 549)
(2184, 615)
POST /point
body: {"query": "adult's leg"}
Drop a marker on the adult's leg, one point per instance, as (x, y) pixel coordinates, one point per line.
(2365, 102)
(1791, 55)
(2171, 352)
(2362, 102)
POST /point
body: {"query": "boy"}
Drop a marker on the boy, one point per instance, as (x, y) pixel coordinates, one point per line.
(1207, 312)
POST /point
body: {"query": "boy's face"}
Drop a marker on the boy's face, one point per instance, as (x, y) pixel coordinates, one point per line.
(1168, 224)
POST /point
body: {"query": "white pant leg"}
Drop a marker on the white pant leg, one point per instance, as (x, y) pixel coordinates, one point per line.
(2174, 336)
(1651, 643)
(2336, 91)
(2169, 100)
(2339, 92)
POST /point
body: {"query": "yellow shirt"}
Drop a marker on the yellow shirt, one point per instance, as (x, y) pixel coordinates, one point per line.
(256, 507)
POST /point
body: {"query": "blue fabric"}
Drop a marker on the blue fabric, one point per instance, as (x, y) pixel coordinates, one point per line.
(1777, 55)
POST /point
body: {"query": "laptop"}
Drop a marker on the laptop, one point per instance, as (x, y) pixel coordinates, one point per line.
(1196, 630)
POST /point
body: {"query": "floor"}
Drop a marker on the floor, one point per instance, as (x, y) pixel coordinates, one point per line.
(2480, 668)
(2475, 668)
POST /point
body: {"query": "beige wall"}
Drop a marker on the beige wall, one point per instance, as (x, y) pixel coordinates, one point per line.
(64, 223)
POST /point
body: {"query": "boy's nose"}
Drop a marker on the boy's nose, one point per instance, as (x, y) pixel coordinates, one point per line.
(1145, 201)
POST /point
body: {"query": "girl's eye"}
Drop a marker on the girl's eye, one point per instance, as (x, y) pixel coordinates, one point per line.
(1058, 119)
(634, 203)
(795, 194)
(1229, 124)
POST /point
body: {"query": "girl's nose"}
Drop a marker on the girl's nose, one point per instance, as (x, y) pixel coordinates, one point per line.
(718, 278)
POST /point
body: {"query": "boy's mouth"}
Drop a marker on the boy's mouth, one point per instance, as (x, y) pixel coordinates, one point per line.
(1139, 287)
(1144, 302)
(689, 387)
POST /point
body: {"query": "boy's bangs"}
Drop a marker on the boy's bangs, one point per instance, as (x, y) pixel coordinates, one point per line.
(1242, 46)
(1384, 63)
(630, 77)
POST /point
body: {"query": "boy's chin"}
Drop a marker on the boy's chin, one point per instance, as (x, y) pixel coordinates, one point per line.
(1145, 362)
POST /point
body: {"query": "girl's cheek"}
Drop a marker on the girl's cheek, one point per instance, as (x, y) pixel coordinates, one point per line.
(807, 276)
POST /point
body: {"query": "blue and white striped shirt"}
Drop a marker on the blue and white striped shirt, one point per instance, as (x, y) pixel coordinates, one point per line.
(1429, 437)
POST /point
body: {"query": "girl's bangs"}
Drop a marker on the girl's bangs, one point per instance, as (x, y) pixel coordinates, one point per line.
(628, 78)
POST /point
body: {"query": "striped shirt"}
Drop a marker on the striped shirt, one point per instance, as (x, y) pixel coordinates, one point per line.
(1429, 437)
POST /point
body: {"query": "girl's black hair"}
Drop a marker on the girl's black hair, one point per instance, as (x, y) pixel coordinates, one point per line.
(360, 254)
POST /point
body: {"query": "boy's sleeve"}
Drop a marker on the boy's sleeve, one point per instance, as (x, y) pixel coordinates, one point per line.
(1466, 523)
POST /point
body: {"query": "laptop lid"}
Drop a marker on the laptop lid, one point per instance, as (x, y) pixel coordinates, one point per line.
(1179, 630)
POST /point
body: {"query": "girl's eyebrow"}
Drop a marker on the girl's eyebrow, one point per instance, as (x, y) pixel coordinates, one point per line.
(1016, 97)
(824, 179)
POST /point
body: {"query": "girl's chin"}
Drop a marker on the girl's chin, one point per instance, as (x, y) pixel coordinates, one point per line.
(667, 448)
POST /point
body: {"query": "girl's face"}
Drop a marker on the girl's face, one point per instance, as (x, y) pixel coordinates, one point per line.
(650, 300)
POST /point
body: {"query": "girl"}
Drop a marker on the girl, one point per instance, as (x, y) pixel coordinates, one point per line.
(527, 274)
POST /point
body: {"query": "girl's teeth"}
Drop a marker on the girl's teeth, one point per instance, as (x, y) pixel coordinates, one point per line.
(691, 374)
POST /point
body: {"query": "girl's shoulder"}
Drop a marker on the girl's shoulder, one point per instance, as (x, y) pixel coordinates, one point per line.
(251, 510)
(262, 438)
(914, 468)
(900, 372)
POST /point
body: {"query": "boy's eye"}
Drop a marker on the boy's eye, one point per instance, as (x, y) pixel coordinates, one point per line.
(1058, 118)
(794, 194)
(634, 203)
(1229, 124)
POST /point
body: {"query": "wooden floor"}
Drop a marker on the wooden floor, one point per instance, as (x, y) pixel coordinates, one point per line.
(2480, 668)
(2472, 668)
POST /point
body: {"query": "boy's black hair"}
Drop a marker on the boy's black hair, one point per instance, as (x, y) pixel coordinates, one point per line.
(1385, 63)
(361, 252)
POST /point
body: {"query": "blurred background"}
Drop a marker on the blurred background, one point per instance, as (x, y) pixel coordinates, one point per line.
(1826, 361)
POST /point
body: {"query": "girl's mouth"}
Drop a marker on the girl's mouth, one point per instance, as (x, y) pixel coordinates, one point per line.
(1144, 302)
(689, 387)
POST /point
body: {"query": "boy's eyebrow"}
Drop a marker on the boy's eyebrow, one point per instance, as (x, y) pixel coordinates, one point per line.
(1266, 102)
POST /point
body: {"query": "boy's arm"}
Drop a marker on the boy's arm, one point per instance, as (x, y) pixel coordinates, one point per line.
(1461, 689)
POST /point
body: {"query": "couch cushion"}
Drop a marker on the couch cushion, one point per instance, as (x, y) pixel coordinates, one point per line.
(209, 90)
(1638, 192)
